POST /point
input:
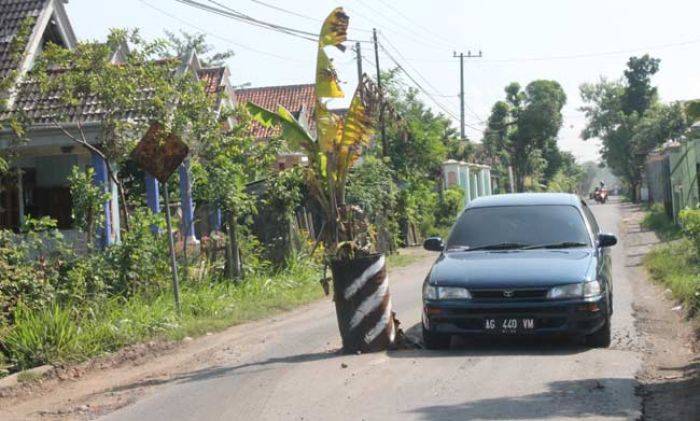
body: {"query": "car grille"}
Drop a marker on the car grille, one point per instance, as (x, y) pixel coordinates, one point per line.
(509, 294)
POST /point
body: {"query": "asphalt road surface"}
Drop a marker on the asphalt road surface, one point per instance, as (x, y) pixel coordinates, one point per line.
(288, 369)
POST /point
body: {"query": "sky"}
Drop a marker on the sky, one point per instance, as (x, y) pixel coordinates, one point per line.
(570, 41)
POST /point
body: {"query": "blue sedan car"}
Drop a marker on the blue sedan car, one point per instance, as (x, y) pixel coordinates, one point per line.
(521, 264)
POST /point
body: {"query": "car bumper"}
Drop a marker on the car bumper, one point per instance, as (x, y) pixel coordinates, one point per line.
(565, 317)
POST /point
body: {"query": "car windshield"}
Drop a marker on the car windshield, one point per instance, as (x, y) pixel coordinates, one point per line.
(514, 227)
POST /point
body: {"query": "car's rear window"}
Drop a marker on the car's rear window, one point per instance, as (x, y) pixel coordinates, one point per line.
(530, 225)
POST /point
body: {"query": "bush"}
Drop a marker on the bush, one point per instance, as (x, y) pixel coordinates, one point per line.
(676, 265)
(140, 261)
(371, 186)
(690, 222)
(449, 207)
(42, 336)
(657, 220)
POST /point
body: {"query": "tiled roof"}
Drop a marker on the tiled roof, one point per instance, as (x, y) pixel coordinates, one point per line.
(213, 79)
(44, 108)
(12, 14)
(294, 98)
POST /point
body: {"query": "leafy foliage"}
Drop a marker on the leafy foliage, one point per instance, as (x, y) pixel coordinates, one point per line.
(88, 202)
(690, 221)
(522, 131)
(627, 116)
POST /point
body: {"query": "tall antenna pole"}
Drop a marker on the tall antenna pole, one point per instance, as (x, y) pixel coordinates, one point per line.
(461, 89)
(385, 148)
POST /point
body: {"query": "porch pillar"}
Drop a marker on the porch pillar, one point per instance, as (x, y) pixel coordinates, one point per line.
(186, 203)
(467, 182)
(474, 185)
(480, 182)
(215, 219)
(20, 197)
(489, 183)
(152, 197)
(100, 179)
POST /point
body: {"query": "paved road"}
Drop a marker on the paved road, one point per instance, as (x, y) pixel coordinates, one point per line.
(289, 371)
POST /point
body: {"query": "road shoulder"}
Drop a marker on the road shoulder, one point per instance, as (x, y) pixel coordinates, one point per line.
(670, 376)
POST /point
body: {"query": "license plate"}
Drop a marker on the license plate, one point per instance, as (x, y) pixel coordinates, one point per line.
(509, 325)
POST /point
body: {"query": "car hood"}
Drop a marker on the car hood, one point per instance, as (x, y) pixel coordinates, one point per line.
(513, 268)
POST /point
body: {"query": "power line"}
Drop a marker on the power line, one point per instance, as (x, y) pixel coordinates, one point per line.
(425, 91)
(297, 14)
(227, 40)
(398, 11)
(571, 56)
(404, 32)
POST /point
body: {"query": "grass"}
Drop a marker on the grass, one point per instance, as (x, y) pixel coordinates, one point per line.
(73, 333)
(677, 266)
(60, 334)
(28, 377)
(657, 220)
(400, 260)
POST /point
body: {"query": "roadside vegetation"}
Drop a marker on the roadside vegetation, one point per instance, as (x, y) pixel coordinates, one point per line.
(676, 264)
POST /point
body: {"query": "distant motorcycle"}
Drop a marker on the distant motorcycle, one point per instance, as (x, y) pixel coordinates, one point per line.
(601, 195)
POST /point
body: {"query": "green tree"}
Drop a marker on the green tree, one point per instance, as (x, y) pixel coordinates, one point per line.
(522, 131)
(184, 42)
(420, 142)
(627, 116)
(88, 201)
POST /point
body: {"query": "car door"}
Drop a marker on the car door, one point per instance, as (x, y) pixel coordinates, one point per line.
(603, 257)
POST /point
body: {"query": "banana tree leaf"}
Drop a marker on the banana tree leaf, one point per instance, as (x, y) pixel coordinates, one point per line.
(292, 131)
(335, 29)
(328, 127)
(327, 84)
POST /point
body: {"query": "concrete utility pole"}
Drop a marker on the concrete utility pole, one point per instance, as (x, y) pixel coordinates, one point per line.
(385, 148)
(358, 56)
(461, 88)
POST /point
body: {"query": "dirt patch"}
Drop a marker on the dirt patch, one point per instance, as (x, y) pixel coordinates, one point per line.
(670, 378)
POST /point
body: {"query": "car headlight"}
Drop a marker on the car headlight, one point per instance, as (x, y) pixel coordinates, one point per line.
(581, 290)
(432, 292)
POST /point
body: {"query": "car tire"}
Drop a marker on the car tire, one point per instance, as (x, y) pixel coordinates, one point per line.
(602, 337)
(435, 340)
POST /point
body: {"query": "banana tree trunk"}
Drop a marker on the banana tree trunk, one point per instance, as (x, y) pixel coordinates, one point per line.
(363, 304)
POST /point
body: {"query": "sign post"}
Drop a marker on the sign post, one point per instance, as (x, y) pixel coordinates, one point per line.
(160, 154)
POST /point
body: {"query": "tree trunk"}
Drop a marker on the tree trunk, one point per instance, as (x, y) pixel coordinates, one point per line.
(233, 258)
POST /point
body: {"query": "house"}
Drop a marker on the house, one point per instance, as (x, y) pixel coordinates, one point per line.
(300, 100)
(37, 183)
(673, 173)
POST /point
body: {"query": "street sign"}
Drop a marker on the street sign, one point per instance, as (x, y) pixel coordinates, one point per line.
(159, 153)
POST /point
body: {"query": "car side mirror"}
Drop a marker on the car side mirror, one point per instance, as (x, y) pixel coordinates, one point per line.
(434, 244)
(606, 240)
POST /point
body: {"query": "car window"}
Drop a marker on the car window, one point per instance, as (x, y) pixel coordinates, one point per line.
(528, 225)
(591, 218)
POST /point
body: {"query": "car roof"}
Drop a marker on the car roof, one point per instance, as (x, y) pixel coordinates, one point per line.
(525, 199)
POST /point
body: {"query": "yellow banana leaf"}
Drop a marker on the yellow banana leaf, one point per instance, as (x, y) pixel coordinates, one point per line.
(327, 85)
(328, 127)
(334, 32)
(335, 29)
(357, 132)
(292, 131)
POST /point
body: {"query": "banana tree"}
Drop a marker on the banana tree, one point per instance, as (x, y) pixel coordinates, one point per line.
(360, 284)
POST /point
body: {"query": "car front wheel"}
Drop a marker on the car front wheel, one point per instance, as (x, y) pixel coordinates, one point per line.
(602, 337)
(435, 340)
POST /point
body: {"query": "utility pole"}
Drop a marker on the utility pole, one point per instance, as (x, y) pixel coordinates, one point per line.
(385, 148)
(358, 56)
(461, 88)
